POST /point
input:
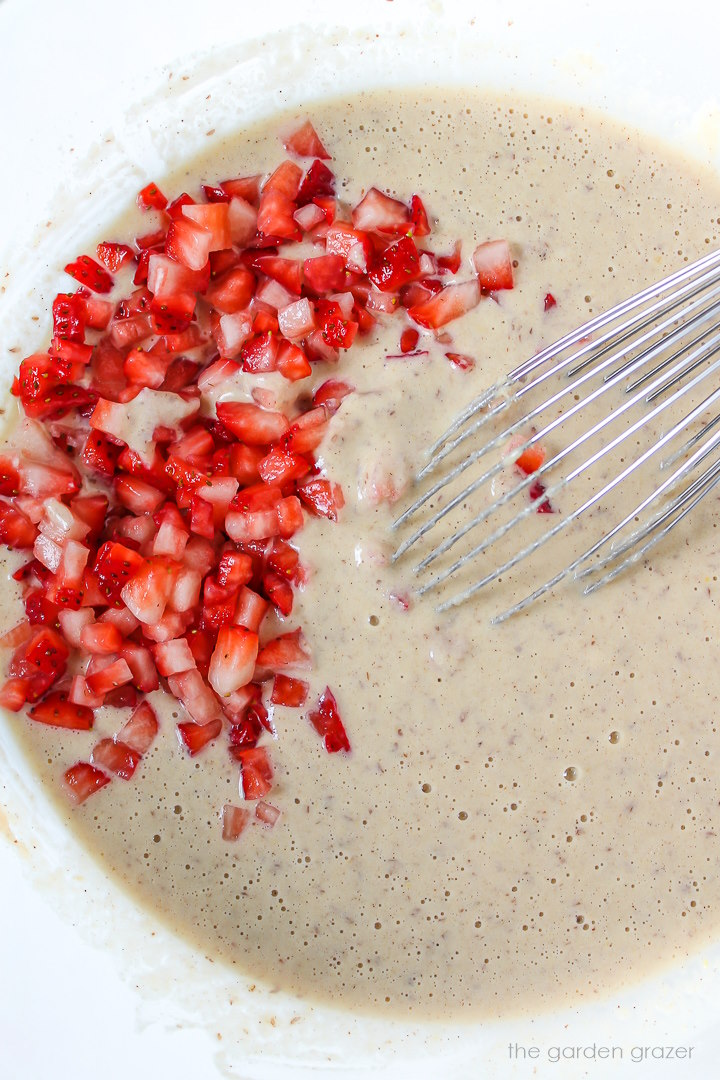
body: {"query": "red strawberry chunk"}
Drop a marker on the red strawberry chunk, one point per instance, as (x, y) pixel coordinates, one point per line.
(461, 361)
(91, 274)
(56, 711)
(530, 459)
(398, 265)
(41, 661)
(189, 243)
(232, 292)
(289, 692)
(68, 312)
(114, 256)
(115, 564)
(215, 218)
(100, 638)
(140, 662)
(116, 674)
(536, 491)
(418, 216)
(116, 757)
(549, 302)
(323, 498)
(234, 821)
(140, 730)
(149, 590)
(285, 651)
(151, 198)
(13, 694)
(305, 142)
(257, 774)
(493, 265)
(317, 183)
(326, 721)
(194, 737)
(16, 530)
(83, 780)
(173, 657)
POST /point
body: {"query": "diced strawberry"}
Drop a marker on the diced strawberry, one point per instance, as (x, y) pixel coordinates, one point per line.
(114, 566)
(116, 674)
(215, 218)
(259, 353)
(194, 737)
(234, 821)
(83, 780)
(233, 660)
(243, 526)
(199, 700)
(115, 757)
(91, 274)
(536, 491)
(244, 187)
(140, 662)
(285, 651)
(549, 302)
(100, 638)
(530, 459)
(151, 198)
(337, 332)
(13, 694)
(317, 183)
(250, 609)
(100, 453)
(309, 217)
(289, 692)
(251, 424)
(331, 393)
(189, 243)
(16, 530)
(378, 212)
(140, 730)
(149, 589)
(41, 660)
(281, 466)
(418, 216)
(233, 291)
(342, 239)
(323, 497)
(113, 256)
(461, 361)
(493, 265)
(257, 774)
(326, 721)
(292, 363)
(305, 142)
(398, 265)
(68, 312)
(448, 304)
(56, 711)
(279, 592)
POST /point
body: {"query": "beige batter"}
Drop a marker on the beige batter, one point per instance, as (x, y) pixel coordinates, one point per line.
(447, 868)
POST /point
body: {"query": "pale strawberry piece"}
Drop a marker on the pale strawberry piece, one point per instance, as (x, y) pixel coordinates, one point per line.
(285, 651)
(140, 730)
(267, 814)
(148, 591)
(123, 619)
(173, 657)
(493, 265)
(309, 217)
(448, 304)
(305, 142)
(47, 552)
(186, 589)
(189, 243)
(80, 694)
(244, 526)
(169, 627)
(378, 212)
(83, 780)
(234, 821)
(116, 674)
(190, 689)
(115, 757)
(233, 659)
(250, 610)
(73, 623)
(256, 775)
(297, 320)
(100, 638)
(242, 220)
(250, 423)
(231, 333)
(215, 218)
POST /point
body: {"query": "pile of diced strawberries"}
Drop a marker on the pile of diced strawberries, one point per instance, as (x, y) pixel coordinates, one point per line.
(157, 530)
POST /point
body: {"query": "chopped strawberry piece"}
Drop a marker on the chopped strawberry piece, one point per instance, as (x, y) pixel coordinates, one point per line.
(243, 187)
(493, 265)
(91, 274)
(114, 256)
(13, 694)
(116, 674)
(535, 491)
(215, 218)
(116, 757)
(83, 780)
(56, 711)
(331, 393)
(461, 361)
(150, 588)
(16, 530)
(234, 821)
(418, 216)
(337, 331)
(267, 814)
(549, 302)
(41, 661)
(250, 423)
(190, 689)
(408, 339)
(285, 651)
(140, 730)
(257, 774)
(194, 737)
(151, 198)
(189, 243)
(232, 291)
(448, 304)
(233, 660)
(100, 638)
(323, 498)
(378, 212)
(317, 183)
(305, 142)
(115, 564)
(289, 692)
(531, 459)
(68, 312)
(398, 265)
(326, 721)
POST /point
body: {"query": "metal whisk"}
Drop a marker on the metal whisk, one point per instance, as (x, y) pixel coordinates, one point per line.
(649, 361)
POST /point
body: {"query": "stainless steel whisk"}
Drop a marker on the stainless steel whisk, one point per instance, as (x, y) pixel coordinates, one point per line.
(656, 350)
